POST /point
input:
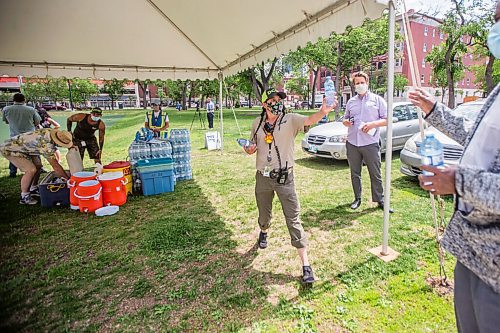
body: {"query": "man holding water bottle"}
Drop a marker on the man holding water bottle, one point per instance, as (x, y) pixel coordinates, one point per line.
(272, 137)
(365, 113)
(473, 234)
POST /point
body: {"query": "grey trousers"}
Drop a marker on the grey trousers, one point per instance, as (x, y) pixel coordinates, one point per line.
(264, 194)
(370, 154)
(477, 306)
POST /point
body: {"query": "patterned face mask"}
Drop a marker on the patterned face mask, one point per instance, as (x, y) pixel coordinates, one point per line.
(276, 108)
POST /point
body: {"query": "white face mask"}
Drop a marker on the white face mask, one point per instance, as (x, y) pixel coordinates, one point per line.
(361, 88)
(94, 118)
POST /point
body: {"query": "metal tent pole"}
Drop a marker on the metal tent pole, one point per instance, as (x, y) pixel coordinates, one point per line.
(384, 252)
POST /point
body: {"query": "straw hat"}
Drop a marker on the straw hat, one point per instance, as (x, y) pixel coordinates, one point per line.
(61, 138)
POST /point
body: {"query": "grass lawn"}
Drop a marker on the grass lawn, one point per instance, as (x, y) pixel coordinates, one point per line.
(187, 261)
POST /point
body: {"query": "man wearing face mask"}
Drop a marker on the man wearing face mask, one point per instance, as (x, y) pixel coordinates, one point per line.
(273, 135)
(83, 136)
(157, 121)
(365, 114)
(473, 234)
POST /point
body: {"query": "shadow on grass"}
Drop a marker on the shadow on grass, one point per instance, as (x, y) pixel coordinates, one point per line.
(317, 163)
(338, 217)
(411, 185)
(166, 262)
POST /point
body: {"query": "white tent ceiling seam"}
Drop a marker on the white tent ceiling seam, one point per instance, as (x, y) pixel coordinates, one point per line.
(179, 39)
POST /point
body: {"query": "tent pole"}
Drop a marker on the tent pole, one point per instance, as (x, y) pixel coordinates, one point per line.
(388, 153)
(221, 78)
(384, 252)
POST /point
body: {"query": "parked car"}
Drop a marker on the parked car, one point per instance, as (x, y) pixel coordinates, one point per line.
(328, 140)
(50, 107)
(410, 158)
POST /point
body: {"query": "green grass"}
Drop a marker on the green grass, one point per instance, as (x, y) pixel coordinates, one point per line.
(187, 261)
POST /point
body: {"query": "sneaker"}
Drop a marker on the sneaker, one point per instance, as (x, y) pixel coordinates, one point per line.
(308, 276)
(27, 200)
(263, 240)
(35, 192)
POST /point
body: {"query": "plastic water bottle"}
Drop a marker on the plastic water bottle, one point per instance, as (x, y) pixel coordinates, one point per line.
(329, 91)
(137, 136)
(432, 153)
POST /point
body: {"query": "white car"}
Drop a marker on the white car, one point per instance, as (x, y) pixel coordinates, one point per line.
(410, 158)
(328, 140)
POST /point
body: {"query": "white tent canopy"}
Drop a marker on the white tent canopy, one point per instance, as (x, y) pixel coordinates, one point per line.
(163, 39)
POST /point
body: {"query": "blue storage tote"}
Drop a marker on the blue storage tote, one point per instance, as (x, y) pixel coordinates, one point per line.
(53, 194)
(156, 182)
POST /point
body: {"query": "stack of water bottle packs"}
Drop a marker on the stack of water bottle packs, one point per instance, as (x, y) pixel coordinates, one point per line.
(158, 163)
(181, 154)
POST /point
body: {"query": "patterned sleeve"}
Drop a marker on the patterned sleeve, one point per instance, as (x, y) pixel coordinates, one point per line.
(479, 187)
(443, 119)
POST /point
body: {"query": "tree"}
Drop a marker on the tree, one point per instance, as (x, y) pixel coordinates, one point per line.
(143, 85)
(82, 90)
(34, 91)
(55, 89)
(114, 88)
(441, 70)
(357, 47)
(161, 86)
(465, 27)
(400, 82)
(261, 76)
(174, 89)
(480, 72)
(298, 85)
(312, 57)
(478, 29)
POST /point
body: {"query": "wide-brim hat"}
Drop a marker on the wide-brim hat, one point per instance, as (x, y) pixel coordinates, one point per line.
(61, 138)
(270, 93)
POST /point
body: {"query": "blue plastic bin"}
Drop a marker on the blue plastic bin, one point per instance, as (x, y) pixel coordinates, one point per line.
(53, 194)
(156, 182)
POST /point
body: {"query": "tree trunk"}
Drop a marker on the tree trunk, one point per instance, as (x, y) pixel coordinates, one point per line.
(184, 92)
(142, 85)
(202, 104)
(315, 80)
(488, 75)
(249, 100)
(260, 86)
(449, 76)
(112, 103)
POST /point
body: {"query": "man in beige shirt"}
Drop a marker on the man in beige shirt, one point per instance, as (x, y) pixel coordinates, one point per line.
(273, 135)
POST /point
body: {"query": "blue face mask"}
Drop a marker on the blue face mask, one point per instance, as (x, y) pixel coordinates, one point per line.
(494, 40)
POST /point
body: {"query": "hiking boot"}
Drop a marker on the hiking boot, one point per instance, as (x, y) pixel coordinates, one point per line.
(27, 200)
(308, 276)
(263, 240)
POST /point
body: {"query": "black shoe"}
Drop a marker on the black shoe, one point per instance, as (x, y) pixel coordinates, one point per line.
(35, 192)
(355, 204)
(263, 240)
(381, 206)
(307, 276)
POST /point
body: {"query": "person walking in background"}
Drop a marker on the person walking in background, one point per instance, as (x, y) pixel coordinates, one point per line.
(365, 114)
(21, 119)
(210, 112)
(83, 135)
(473, 234)
(273, 135)
(157, 121)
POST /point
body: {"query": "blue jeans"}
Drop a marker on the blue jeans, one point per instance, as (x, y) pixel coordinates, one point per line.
(12, 169)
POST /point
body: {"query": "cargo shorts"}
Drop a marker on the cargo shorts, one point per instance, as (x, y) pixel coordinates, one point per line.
(89, 144)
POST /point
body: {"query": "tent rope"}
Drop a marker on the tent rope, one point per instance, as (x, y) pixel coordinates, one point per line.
(232, 108)
(438, 227)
